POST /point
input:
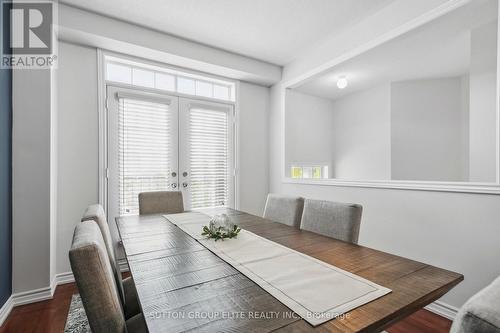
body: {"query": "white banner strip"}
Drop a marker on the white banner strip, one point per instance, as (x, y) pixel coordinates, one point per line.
(313, 289)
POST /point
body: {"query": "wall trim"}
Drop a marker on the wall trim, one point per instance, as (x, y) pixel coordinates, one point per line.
(479, 188)
(33, 296)
(63, 278)
(6, 309)
(442, 309)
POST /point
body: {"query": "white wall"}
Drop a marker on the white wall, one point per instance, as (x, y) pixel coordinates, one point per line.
(483, 103)
(451, 230)
(309, 129)
(427, 130)
(361, 135)
(77, 142)
(31, 188)
(253, 147)
(53, 173)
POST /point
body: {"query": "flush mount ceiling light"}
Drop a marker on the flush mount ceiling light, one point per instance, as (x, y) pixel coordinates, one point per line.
(342, 82)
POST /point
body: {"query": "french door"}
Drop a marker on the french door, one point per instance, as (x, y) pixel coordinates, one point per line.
(160, 142)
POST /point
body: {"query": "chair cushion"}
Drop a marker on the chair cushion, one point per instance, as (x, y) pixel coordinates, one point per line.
(94, 278)
(137, 324)
(481, 313)
(162, 202)
(333, 219)
(132, 306)
(284, 209)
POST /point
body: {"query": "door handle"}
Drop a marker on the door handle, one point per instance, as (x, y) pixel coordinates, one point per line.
(184, 184)
(174, 185)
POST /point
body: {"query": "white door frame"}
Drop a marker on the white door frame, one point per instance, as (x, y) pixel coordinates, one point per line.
(182, 104)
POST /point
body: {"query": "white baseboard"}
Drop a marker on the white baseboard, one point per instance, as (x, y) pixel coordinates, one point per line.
(33, 296)
(63, 278)
(5, 310)
(443, 309)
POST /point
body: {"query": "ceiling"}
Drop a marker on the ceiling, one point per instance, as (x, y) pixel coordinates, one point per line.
(441, 48)
(275, 31)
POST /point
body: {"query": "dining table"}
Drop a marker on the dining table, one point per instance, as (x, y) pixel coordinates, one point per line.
(183, 286)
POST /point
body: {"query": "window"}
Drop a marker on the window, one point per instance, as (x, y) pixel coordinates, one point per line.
(143, 78)
(164, 82)
(186, 86)
(119, 73)
(166, 79)
(309, 171)
(204, 89)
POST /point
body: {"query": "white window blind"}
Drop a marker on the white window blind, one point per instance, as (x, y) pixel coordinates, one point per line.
(144, 150)
(209, 157)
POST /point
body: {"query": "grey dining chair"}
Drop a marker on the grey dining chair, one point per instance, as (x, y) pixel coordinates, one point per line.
(94, 278)
(162, 202)
(126, 287)
(284, 209)
(333, 219)
(481, 313)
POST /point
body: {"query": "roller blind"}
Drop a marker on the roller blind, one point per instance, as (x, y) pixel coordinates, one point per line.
(209, 157)
(145, 150)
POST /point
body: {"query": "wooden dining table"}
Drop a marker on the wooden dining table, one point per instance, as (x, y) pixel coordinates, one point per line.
(182, 286)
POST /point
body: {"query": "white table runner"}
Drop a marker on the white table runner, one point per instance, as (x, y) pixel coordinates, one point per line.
(313, 289)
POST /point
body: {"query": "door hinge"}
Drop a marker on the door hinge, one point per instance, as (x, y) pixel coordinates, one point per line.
(106, 173)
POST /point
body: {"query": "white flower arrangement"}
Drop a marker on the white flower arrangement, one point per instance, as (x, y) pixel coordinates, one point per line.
(221, 227)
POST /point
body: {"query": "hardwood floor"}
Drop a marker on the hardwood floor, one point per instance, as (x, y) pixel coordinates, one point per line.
(422, 321)
(47, 316)
(50, 317)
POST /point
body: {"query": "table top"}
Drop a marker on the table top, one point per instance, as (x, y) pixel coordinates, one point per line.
(182, 286)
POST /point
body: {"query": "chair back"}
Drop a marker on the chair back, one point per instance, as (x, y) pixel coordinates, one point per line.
(163, 202)
(96, 213)
(94, 278)
(481, 313)
(284, 209)
(333, 219)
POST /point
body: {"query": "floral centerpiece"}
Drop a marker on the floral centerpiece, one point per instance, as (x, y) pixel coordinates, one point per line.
(221, 227)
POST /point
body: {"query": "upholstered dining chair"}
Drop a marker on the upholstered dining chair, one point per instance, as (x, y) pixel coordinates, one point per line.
(481, 313)
(162, 202)
(126, 287)
(333, 219)
(96, 284)
(284, 209)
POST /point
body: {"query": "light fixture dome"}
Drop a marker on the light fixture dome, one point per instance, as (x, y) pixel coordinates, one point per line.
(342, 82)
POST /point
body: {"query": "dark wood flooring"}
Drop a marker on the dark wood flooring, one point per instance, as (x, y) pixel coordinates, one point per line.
(50, 317)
